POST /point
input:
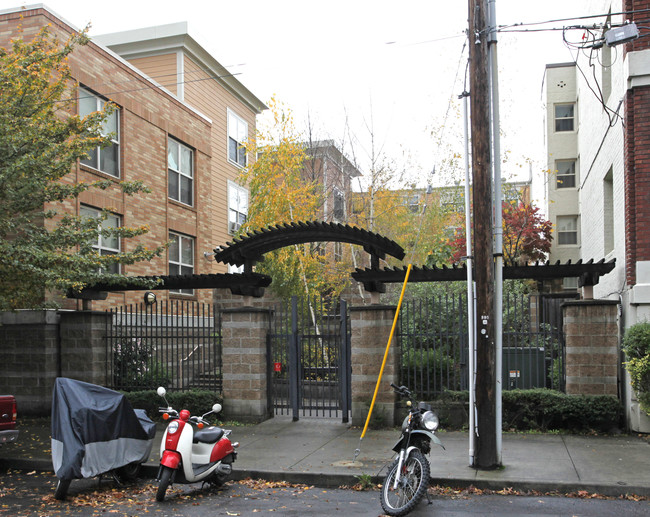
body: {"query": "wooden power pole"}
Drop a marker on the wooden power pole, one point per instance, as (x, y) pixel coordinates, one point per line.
(486, 442)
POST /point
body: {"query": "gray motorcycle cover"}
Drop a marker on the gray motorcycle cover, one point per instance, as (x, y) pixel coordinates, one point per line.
(95, 429)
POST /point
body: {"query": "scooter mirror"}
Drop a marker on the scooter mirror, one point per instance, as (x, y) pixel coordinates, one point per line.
(161, 391)
(216, 408)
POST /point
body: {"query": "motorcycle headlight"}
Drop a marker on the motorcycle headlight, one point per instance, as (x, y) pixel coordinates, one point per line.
(173, 427)
(430, 421)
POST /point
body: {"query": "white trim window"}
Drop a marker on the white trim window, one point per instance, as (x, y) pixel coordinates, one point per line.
(105, 159)
(567, 230)
(565, 117)
(566, 173)
(105, 244)
(237, 136)
(237, 206)
(180, 175)
(181, 258)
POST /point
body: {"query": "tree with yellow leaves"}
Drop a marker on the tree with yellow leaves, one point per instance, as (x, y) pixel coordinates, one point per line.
(281, 192)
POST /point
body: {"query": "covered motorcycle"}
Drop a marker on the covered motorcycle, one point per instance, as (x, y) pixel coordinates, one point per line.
(95, 431)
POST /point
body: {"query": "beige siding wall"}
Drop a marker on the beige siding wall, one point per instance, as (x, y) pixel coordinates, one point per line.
(162, 69)
(213, 99)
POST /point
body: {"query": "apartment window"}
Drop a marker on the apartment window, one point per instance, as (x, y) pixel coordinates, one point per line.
(180, 166)
(566, 173)
(237, 135)
(237, 206)
(105, 244)
(339, 205)
(181, 258)
(105, 159)
(567, 230)
(564, 117)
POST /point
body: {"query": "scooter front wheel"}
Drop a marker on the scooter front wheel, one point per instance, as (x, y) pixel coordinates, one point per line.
(412, 485)
(61, 489)
(165, 479)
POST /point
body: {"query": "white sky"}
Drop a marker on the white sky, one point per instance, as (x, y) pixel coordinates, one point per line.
(394, 62)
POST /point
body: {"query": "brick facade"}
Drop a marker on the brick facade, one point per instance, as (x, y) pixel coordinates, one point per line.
(148, 116)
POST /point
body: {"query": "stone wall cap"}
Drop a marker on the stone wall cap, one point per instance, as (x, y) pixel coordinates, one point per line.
(590, 302)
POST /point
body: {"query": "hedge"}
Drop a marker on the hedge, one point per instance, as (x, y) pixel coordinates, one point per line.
(546, 410)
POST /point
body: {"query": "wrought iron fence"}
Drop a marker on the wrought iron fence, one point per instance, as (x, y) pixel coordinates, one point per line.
(433, 336)
(176, 344)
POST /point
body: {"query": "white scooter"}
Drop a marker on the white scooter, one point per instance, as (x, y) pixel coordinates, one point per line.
(189, 453)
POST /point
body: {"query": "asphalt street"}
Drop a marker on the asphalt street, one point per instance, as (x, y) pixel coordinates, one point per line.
(31, 494)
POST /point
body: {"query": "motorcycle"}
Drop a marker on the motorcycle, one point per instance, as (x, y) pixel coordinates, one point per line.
(189, 453)
(408, 476)
(96, 432)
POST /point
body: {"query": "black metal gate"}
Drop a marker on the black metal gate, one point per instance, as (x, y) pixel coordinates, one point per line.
(309, 367)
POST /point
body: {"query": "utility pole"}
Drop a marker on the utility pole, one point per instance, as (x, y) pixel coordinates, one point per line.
(486, 442)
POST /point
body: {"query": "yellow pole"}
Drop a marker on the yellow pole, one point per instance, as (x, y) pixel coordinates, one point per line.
(390, 338)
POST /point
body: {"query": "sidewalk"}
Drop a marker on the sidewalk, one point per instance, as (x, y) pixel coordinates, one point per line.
(321, 452)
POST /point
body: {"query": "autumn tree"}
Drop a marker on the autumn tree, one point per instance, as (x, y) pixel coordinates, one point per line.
(280, 192)
(42, 246)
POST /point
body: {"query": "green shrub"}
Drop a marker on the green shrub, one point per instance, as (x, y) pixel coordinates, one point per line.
(636, 344)
(135, 367)
(198, 402)
(544, 410)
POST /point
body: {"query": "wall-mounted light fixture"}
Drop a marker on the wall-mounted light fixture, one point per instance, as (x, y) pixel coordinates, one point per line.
(149, 298)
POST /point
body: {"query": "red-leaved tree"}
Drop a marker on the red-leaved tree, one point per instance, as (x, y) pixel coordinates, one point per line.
(526, 235)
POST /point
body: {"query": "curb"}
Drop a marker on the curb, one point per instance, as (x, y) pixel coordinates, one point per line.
(332, 480)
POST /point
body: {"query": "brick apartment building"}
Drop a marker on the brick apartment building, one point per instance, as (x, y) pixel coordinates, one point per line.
(598, 136)
(180, 137)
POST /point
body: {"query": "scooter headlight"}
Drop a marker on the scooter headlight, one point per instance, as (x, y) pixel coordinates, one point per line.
(173, 427)
(430, 421)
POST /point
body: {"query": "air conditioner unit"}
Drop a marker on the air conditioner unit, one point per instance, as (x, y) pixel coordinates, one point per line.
(233, 227)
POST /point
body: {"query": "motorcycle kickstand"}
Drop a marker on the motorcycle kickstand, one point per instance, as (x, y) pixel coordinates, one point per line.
(429, 500)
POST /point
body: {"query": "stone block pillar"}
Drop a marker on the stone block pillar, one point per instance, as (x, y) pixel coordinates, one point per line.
(245, 366)
(591, 333)
(370, 329)
(83, 346)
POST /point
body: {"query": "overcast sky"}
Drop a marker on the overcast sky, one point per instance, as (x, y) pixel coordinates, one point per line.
(401, 64)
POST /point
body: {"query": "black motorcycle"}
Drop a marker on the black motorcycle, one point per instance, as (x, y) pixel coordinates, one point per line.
(408, 476)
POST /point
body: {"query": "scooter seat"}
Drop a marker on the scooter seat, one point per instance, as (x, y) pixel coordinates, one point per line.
(209, 435)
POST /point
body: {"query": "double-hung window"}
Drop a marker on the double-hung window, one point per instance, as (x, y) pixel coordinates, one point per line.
(237, 136)
(180, 166)
(181, 258)
(566, 173)
(237, 206)
(105, 159)
(564, 117)
(567, 230)
(105, 244)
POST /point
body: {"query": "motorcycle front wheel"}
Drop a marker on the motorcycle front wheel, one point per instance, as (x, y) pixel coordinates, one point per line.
(412, 485)
(165, 478)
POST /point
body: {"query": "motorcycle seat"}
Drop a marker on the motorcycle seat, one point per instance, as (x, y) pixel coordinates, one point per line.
(209, 435)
